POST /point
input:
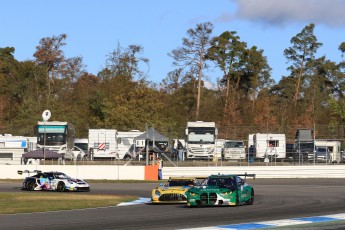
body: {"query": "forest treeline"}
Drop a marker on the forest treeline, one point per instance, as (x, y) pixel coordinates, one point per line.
(246, 99)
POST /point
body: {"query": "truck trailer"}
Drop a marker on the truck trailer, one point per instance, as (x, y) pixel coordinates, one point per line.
(103, 143)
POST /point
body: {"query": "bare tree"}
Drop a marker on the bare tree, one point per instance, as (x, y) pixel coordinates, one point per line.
(193, 51)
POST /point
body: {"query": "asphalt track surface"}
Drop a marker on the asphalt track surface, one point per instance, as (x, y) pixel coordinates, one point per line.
(274, 199)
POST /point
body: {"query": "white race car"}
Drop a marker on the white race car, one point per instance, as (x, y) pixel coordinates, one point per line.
(53, 181)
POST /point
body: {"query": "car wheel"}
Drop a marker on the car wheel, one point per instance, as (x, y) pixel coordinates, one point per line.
(251, 200)
(60, 186)
(30, 185)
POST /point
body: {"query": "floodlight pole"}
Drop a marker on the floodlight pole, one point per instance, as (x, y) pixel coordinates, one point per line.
(147, 147)
(45, 115)
(44, 142)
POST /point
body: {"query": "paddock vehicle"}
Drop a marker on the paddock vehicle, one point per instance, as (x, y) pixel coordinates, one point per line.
(222, 190)
(52, 181)
(174, 190)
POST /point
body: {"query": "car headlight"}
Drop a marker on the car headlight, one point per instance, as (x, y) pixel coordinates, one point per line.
(193, 193)
(157, 193)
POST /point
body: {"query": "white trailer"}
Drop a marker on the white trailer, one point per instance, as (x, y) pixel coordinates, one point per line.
(234, 150)
(267, 145)
(103, 143)
(332, 147)
(201, 139)
(12, 149)
(126, 144)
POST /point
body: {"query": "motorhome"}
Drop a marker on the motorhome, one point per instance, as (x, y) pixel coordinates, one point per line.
(201, 139)
(57, 136)
(234, 150)
(126, 145)
(268, 145)
(103, 143)
(12, 148)
(327, 151)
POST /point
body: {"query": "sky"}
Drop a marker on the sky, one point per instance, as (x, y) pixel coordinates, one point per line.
(95, 28)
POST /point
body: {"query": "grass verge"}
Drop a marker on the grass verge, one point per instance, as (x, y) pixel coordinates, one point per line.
(28, 202)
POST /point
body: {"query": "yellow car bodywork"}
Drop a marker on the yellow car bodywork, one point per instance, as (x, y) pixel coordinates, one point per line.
(174, 190)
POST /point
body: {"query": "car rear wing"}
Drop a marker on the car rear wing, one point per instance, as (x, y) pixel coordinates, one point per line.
(188, 177)
(247, 175)
(20, 172)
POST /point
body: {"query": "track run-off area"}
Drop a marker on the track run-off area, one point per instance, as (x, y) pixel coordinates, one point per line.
(275, 199)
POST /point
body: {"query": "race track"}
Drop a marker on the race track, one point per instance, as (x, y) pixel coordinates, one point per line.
(274, 199)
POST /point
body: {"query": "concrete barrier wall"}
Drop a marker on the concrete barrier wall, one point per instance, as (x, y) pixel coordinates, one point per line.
(331, 171)
(115, 172)
(107, 172)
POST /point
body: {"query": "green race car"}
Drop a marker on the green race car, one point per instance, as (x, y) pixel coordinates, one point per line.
(221, 190)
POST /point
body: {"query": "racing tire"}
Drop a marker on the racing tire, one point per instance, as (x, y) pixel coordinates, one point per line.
(60, 186)
(251, 200)
(30, 185)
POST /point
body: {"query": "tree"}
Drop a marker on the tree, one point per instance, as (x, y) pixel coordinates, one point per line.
(49, 54)
(125, 62)
(192, 53)
(255, 74)
(227, 52)
(304, 47)
(174, 80)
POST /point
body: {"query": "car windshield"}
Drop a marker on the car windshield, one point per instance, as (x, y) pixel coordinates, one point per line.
(61, 176)
(173, 183)
(223, 182)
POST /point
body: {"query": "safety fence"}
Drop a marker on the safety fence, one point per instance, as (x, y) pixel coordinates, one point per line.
(116, 172)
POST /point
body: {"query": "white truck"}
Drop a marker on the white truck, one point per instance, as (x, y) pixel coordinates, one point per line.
(126, 144)
(201, 140)
(268, 145)
(234, 150)
(103, 143)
